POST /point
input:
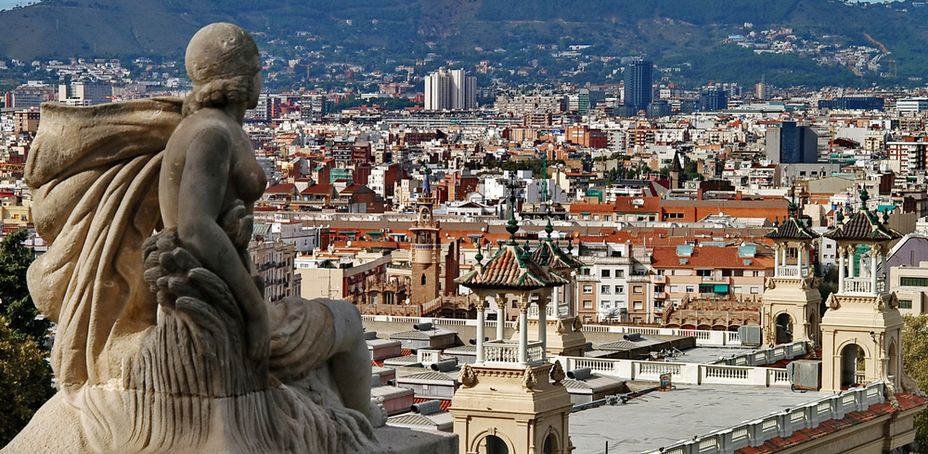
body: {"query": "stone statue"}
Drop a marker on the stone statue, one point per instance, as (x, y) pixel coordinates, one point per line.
(164, 341)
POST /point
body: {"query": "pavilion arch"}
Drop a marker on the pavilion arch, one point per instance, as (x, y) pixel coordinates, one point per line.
(492, 442)
(854, 359)
(891, 368)
(551, 443)
(785, 327)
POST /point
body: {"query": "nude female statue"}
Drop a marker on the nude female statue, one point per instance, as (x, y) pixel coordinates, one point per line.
(164, 341)
(210, 181)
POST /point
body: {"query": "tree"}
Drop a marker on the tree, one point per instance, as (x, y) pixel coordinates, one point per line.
(15, 303)
(915, 364)
(25, 380)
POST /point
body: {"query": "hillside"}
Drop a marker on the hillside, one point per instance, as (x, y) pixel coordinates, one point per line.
(684, 33)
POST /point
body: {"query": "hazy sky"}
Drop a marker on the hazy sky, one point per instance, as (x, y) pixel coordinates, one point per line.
(7, 4)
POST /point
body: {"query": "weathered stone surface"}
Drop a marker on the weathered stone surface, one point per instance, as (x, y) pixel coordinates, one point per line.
(165, 343)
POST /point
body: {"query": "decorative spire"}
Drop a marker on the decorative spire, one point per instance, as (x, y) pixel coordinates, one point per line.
(793, 207)
(544, 178)
(479, 256)
(549, 228)
(512, 226)
(864, 196)
(426, 185)
(886, 215)
(839, 217)
(776, 221)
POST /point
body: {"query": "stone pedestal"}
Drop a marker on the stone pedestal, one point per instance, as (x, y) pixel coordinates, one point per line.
(524, 409)
(564, 337)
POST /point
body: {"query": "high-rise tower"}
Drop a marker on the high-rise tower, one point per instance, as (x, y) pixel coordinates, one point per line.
(638, 82)
(425, 253)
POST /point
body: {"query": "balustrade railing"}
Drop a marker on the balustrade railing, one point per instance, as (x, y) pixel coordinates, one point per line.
(780, 424)
(863, 285)
(508, 352)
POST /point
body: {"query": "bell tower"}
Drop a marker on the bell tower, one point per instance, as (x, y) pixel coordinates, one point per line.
(425, 248)
(862, 327)
(792, 303)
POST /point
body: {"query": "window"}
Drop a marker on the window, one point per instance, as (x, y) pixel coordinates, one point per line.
(638, 289)
(658, 304)
(905, 304)
(755, 290)
(637, 305)
(587, 304)
(604, 290)
(585, 271)
(690, 289)
(587, 289)
(704, 273)
(604, 273)
(913, 281)
(619, 289)
(423, 279)
(619, 273)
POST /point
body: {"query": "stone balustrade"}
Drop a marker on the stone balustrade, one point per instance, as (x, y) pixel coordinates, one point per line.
(780, 424)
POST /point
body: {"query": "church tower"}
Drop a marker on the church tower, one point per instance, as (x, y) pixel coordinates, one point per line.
(425, 250)
(862, 327)
(792, 303)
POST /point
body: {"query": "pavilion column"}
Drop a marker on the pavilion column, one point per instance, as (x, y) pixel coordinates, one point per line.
(841, 268)
(885, 276)
(800, 252)
(523, 328)
(543, 325)
(776, 260)
(556, 301)
(874, 252)
(481, 322)
(501, 315)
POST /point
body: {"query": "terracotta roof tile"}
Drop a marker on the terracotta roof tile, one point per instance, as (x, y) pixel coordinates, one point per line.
(508, 269)
(863, 225)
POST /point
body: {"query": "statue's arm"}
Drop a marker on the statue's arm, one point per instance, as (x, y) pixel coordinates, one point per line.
(202, 191)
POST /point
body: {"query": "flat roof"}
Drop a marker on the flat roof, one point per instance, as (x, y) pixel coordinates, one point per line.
(660, 419)
(709, 355)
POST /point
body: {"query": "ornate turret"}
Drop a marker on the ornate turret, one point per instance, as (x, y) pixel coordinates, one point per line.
(527, 388)
(791, 300)
(861, 329)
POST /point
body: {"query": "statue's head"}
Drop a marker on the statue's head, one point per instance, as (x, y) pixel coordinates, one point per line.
(223, 63)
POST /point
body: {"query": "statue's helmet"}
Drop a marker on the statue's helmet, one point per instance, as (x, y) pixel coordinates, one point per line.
(220, 51)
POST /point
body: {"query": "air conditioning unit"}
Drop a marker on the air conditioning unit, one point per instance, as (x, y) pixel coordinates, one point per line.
(750, 335)
(805, 374)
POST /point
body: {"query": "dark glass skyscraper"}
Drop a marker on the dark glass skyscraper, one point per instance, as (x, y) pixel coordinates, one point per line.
(713, 100)
(638, 81)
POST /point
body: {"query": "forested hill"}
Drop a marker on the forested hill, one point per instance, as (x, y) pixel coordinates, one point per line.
(700, 36)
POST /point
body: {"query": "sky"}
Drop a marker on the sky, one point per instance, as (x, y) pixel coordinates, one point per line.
(7, 4)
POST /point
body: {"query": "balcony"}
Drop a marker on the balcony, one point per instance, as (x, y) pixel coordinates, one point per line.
(863, 285)
(715, 279)
(660, 295)
(506, 351)
(793, 271)
(659, 279)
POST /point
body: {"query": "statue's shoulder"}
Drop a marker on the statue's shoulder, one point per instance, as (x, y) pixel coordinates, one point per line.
(205, 122)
